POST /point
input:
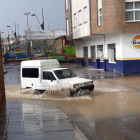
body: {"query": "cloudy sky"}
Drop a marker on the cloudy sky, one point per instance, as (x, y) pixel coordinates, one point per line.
(13, 11)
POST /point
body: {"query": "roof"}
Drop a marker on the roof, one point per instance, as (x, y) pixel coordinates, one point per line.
(40, 63)
(53, 69)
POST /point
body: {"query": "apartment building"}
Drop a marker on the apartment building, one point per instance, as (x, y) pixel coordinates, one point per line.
(68, 14)
(107, 34)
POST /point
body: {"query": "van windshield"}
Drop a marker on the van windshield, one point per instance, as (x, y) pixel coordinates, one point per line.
(64, 73)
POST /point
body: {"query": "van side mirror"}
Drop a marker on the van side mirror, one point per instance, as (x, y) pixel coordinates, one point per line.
(51, 79)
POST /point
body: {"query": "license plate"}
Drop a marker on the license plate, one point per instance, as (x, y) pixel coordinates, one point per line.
(85, 91)
(87, 84)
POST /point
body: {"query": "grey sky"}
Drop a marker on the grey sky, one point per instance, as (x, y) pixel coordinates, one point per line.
(13, 11)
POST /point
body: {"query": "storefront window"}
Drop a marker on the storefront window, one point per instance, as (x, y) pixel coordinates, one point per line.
(111, 53)
(93, 54)
(100, 52)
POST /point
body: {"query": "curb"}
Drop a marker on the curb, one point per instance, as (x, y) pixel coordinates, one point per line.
(80, 133)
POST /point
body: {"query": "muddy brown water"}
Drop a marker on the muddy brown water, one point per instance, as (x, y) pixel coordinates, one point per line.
(111, 111)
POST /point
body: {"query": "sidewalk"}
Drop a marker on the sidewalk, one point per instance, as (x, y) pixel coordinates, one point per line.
(33, 120)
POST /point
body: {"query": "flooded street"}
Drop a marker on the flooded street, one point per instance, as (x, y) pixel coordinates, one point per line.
(111, 111)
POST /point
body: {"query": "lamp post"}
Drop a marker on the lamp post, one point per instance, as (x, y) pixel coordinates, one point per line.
(28, 42)
(7, 39)
(11, 30)
(27, 17)
(41, 25)
(18, 30)
(15, 34)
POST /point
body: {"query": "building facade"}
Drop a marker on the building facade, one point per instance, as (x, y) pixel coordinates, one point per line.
(68, 14)
(111, 38)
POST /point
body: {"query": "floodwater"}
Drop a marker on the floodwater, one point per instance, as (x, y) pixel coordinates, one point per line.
(111, 111)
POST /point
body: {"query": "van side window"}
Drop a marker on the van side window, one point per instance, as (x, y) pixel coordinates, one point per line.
(30, 72)
(48, 76)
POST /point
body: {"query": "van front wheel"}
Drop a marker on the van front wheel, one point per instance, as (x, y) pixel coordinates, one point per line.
(39, 91)
(72, 94)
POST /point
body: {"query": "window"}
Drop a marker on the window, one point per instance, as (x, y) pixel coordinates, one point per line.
(75, 20)
(85, 14)
(132, 11)
(100, 52)
(66, 4)
(64, 74)
(80, 17)
(100, 13)
(112, 53)
(67, 27)
(48, 76)
(93, 54)
(30, 72)
(100, 18)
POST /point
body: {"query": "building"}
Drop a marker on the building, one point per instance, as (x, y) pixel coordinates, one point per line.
(69, 29)
(107, 34)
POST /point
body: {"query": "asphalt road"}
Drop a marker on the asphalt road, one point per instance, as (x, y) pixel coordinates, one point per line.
(111, 112)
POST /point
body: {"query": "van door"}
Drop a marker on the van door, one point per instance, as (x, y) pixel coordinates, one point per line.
(48, 79)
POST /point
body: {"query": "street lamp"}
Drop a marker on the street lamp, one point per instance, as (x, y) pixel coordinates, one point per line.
(27, 17)
(7, 38)
(4, 34)
(41, 25)
(18, 30)
(13, 32)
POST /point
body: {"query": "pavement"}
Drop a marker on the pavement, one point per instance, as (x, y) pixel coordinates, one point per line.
(34, 120)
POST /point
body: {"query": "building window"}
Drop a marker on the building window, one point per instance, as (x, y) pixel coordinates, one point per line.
(75, 20)
(80, 17)
(100, 14)
(100, 52)
(93, 54)
(67, 27)
(85, 14)
(132, 11)
(100, 17)
(66, 4)
(111, 53)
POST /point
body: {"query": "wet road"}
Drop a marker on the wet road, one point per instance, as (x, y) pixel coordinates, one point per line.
(111, 112)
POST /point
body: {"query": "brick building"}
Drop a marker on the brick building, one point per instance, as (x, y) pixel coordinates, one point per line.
(2, 87)
(107, 34)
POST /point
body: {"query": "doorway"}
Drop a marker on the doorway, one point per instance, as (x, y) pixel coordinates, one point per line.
(85, 56)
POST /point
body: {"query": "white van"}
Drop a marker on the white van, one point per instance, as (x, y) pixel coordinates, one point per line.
(43, 74)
